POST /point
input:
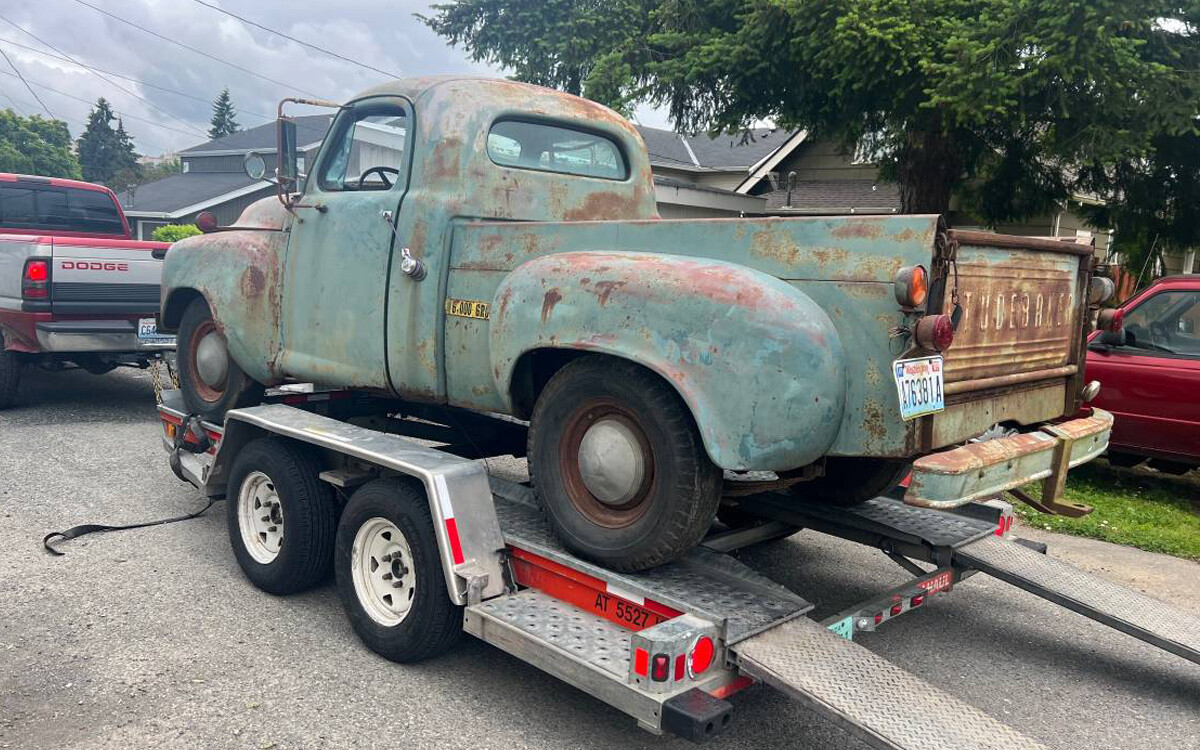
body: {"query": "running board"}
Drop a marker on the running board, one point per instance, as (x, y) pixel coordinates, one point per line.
(1143, 617)
(862, 692)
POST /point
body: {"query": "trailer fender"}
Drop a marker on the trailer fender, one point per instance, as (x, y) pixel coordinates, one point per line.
(759, 364)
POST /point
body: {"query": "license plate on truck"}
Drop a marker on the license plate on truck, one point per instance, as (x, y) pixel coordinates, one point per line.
(147, 333)
(919, 385)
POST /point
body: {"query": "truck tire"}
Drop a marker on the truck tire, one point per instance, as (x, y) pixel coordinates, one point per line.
(211, 381)
(851, 481)
(273, 487)
(389, 573)
(10, 375)
(651, 491)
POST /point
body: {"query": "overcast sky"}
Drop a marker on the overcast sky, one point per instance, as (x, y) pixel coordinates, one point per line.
(381, 33)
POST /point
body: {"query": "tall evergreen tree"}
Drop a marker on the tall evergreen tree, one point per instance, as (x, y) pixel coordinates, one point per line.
(224, 118)
(107, 155)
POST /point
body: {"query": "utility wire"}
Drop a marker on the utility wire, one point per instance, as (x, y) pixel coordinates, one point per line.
(197, 51)
(127, 78)
(16, 107)
(256, 25)
(110, 82)
(35, 96)
(80, 123)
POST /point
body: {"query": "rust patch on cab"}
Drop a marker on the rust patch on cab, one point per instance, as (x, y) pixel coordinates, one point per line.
(551, 298)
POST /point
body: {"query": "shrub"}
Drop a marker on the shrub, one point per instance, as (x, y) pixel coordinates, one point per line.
(174, 232)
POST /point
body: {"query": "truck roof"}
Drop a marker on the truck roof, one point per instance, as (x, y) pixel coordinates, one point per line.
(55, 181)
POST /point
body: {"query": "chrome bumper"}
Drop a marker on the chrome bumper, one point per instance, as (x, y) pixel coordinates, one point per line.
(980, 470)
(115, 336)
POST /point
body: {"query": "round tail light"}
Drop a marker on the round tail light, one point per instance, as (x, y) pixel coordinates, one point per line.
(702, 656)
(206, 221)
(935, 332)
(911, 285)
(1111, 320)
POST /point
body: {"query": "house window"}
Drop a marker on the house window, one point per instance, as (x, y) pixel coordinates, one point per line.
(551, 148)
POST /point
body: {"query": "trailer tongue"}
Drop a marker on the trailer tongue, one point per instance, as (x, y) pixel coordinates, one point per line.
(665, 646)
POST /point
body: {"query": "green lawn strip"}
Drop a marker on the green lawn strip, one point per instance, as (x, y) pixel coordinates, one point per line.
(1137, 509)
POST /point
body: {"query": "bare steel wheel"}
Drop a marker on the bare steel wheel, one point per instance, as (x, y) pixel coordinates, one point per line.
(619, 466)
(381, 566)
(211, 381)
(260, 517)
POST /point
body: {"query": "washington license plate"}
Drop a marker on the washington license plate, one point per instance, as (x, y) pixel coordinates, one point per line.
(919, 385)
(147, 333)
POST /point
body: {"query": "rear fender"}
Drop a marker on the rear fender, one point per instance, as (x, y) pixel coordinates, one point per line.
(758, 363)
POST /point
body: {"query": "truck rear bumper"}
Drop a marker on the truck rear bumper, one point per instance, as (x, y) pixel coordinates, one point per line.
(979, 470)
(118, 336)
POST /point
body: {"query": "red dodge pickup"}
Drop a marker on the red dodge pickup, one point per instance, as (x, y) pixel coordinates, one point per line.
(75, 289)
(1150, 376)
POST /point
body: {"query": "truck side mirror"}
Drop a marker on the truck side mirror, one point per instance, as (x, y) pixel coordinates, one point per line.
(255, 165)
(1112, 338)
(288, 170)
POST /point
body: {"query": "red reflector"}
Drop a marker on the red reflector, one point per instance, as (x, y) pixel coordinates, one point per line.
(702, 655)
(660, 668)
(935, 332)
(679, 667)
(917, 600)
(878, 617)
(456, 552)
(897, 609)
(641, 661)
(1008, 524)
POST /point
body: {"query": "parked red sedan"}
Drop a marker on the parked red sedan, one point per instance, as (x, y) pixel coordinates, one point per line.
(1150, 376)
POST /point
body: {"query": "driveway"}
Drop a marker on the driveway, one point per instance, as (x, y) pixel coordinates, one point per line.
(152, 638)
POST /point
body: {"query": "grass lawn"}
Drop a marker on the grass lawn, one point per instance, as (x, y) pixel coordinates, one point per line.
(1135, 507)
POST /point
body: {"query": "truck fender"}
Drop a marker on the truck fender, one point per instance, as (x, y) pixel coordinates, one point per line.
(759, 364)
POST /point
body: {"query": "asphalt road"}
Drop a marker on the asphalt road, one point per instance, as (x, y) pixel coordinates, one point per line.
(152, 638)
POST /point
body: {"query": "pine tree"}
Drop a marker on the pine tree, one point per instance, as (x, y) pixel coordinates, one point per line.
(224, 120)
(107, 156)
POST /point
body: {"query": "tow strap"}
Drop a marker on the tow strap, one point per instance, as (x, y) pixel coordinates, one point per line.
(88, 528)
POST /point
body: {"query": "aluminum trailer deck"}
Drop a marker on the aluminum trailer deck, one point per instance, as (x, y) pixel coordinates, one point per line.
(669, 645)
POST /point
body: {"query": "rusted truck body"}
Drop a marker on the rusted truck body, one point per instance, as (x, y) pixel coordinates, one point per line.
(509, 231)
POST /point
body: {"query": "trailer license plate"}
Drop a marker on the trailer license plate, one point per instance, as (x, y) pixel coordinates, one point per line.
(147, 333)
(919, 385)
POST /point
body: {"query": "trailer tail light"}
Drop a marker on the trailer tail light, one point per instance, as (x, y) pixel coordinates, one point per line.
(641, 661)
(897, 608)
(935, 332)
(1111, 320)
(35, 281)
(660, 669)
(701, 657)
(911, 286)
(916, 601)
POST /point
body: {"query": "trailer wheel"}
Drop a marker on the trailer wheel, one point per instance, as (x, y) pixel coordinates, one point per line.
(282, 518)
(211, 381)
(851, 481)
(389, 573)
(10, 375)
(619, 466)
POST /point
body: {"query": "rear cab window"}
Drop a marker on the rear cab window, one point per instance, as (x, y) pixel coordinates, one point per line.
(53, 208)
(553, 148)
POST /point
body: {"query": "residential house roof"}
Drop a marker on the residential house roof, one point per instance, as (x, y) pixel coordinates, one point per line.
(725, 152)
(178, 191)
(837, 196)
(310, 129)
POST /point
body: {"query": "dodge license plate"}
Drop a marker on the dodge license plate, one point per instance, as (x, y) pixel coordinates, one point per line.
(147, 333)
(919, 385)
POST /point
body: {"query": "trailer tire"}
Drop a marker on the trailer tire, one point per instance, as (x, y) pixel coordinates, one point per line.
(852, 481)
(10, 375)
(647, 515)
(273, 487)
(223, 384)
(417, 620)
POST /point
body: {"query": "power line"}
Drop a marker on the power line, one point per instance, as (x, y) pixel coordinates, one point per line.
(256, 25)
(127, 78)
(92, 70)
(35, 96)
(197, 51)
(16, 107)
(81, 123)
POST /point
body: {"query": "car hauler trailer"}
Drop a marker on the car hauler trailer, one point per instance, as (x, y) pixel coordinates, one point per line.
(665, 646)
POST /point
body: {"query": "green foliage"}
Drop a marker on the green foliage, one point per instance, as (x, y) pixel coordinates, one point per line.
(152, 172)
(33, 145)
(174, 232)
(224, 118)
(106, 155)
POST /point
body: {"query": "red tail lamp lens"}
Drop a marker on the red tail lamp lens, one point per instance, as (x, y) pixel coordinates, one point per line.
(897, 609)
(935, 332)
(35, 282)
(912, 286)
(702, 655)
(917, 600)
(660, 668)
(206, 221)
(1111, 320)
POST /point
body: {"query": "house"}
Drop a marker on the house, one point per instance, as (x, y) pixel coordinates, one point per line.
(213, 179)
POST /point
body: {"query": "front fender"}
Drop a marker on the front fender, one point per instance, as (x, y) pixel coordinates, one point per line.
(759, 364)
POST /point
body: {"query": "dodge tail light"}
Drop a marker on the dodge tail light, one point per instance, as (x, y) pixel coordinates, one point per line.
(35, 281)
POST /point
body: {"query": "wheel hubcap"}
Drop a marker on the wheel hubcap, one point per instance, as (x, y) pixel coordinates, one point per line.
(212, 359)
(383, 571)
(611, 462)
(260, 517)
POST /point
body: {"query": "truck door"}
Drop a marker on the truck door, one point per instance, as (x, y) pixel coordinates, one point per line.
(336, 272)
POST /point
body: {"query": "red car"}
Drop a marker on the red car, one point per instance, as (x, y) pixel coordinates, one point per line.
(1150, 376)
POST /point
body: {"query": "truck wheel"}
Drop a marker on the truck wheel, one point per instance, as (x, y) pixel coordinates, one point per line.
(282, 517)
(10, 375)
(619, 466)
(389, 573)
(212, 383)
(851, 481)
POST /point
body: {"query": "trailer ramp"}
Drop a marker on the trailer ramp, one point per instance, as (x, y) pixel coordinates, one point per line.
(1147, 619)
(876, 700)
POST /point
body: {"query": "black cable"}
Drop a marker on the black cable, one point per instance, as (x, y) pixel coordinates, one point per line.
(35, 96)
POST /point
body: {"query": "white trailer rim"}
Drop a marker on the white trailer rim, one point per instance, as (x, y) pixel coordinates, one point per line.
(383, 571)
(260, 517)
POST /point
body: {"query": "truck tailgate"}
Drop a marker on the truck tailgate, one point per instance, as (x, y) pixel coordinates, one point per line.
(104, 277)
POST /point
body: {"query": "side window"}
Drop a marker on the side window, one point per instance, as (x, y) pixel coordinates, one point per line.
(366, 150)
(550, 148)
(1168, 322)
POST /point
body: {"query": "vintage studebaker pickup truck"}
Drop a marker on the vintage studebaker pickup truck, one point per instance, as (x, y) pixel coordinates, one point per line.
(495, 246)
